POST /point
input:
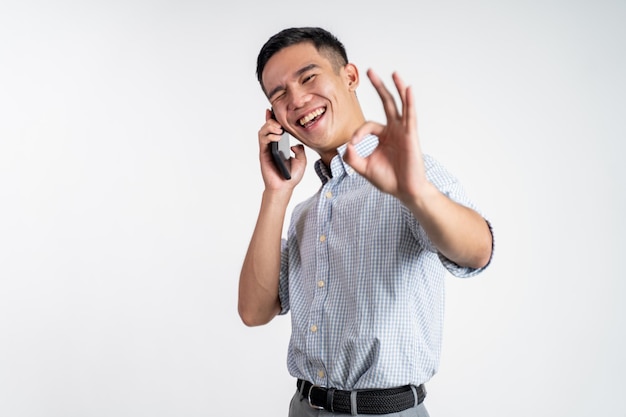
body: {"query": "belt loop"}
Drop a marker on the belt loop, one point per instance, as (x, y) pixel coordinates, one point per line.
(353, 408)
(415, 395)
(301, 389)
(330, 396)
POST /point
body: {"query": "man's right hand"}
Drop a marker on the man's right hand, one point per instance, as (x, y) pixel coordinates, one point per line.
(271, 132)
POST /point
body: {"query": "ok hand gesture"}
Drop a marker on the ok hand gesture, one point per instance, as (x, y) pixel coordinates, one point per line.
(396, 166)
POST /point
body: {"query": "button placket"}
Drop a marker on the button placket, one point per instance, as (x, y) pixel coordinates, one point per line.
(315, 335)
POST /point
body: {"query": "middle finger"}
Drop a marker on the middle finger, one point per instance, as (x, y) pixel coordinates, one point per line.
(389, 103)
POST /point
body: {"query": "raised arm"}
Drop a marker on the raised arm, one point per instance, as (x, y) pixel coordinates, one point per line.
(258, 281)
(397, 167)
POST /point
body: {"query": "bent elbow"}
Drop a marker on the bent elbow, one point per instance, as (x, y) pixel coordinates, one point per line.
(247, 318)
(250, 320)
(485, 254)
(253, 318)
(483, 261)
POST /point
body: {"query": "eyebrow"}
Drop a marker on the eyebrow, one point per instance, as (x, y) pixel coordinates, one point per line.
(297, 74)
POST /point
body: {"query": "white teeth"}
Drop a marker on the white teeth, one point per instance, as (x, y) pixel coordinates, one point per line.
(306, 119)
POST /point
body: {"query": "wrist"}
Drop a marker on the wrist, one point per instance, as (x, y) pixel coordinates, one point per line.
(277, 196)
(421, 197)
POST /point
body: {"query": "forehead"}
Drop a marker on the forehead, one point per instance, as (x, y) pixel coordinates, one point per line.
(286, 62)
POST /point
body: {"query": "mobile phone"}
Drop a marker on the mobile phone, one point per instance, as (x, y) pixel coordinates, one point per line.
(281, 153)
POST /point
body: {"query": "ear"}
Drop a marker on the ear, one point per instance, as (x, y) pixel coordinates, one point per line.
(352, 76)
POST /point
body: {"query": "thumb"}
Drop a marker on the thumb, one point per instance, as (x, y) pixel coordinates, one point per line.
(298, 162)
(356, 161)
(299, 152)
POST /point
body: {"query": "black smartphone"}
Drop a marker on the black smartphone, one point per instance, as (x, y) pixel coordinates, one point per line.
(281, 153)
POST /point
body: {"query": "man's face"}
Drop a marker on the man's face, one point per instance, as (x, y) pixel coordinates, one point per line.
(312, 100)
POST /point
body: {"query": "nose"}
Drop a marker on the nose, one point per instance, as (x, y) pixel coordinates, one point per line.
(298, 97)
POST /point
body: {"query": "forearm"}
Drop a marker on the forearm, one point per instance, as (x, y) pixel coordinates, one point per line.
(258, 282)
(458, 232)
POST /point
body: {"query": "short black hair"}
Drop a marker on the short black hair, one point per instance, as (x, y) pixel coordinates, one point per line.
(323, 40)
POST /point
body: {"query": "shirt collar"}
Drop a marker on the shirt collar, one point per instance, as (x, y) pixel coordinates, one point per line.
(339, 167)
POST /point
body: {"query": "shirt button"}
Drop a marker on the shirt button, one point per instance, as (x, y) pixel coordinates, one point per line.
(321, 373)
(320, 283)
(314, 328)
(323, 238)
(329, 194)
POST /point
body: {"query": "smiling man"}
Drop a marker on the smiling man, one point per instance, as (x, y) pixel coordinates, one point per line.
(362, 267)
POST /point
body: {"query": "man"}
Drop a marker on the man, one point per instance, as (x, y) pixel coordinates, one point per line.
(363, 265)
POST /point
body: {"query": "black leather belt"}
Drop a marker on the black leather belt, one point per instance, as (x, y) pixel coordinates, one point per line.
(368, 401)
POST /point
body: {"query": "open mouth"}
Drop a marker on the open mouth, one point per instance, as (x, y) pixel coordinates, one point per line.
(312, 117)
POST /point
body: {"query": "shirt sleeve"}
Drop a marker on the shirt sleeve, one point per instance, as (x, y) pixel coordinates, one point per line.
(283, 283)
(449, 185)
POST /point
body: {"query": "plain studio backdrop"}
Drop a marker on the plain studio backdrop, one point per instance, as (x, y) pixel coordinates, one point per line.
(129, 189)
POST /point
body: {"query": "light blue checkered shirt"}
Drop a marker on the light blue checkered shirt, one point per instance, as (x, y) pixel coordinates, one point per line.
(363, 283)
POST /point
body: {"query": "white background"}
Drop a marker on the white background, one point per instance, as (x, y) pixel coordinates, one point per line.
(129, 187)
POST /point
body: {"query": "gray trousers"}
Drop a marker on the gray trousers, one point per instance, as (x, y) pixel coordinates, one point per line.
(299, 407)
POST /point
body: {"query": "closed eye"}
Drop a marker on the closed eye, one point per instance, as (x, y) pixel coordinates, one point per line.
(277, 96)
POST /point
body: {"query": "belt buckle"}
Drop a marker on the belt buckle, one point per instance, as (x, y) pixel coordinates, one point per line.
(317, 407)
